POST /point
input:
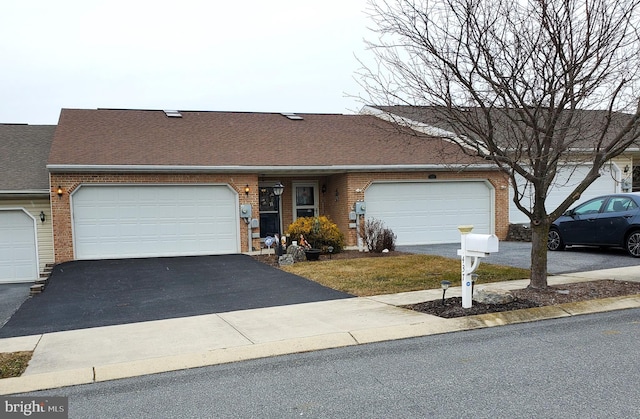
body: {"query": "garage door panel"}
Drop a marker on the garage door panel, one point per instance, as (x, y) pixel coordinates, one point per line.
(18, 251)
(145, 221)
(429, 212)
(566, 180)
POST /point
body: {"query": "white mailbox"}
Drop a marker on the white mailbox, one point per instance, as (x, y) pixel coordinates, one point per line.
(474, 247)
(482, 243)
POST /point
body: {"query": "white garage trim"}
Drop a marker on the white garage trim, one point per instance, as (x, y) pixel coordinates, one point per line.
(18, 246)
(154, 220)
(426, 212)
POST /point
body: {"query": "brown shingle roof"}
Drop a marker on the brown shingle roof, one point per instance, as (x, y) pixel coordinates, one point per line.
(584, 131)
(23, 157)
(215, 139)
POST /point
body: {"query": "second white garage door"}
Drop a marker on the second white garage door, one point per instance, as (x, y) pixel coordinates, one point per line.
(18, 260)
(154, 220)
(430, 212)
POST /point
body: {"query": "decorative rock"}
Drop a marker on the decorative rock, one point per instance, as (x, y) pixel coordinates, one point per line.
(493, 296)
(285, 260)
(297, 252)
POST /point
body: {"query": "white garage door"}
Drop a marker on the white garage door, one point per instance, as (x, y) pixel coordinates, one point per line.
(566, 180)
(154, 220)
(430, 212)
(18, 253)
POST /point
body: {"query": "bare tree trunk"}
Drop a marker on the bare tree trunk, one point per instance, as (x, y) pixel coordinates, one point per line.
(539, 235)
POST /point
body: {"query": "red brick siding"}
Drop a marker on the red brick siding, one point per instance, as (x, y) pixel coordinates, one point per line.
(338, 210)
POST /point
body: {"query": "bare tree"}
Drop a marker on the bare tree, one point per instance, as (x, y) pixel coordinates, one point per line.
(528, 84)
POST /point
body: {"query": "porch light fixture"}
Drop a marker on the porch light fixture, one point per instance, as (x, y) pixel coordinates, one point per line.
(278, 188)
(337, 195)
(59, 191)
(626, 169)
(247, 189)
(42, 216)
(445, 285)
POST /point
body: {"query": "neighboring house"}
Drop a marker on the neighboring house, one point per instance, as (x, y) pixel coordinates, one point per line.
(26, 239)
(144, 183)
(622, 174)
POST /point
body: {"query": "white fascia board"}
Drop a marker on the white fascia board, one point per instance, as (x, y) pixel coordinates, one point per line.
(71, 168)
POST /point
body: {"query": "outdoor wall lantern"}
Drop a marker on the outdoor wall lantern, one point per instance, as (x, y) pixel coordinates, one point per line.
(278, 188)
(324, 188)
(445, 285)
(59, 191)
(247, 189)
(626, 169)
(42, 216)
(337, 195)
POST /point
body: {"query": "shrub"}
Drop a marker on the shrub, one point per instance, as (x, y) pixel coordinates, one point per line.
(320, 232)
(377, 237)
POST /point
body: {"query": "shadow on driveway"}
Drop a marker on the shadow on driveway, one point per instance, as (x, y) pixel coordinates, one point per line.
(83, 294)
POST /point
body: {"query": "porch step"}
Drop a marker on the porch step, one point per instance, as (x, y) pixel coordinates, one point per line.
(36, 289)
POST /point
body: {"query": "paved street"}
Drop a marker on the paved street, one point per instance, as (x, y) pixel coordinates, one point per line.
(578, 367)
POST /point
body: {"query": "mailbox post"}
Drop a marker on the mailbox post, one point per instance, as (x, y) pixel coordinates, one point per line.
(473, 247)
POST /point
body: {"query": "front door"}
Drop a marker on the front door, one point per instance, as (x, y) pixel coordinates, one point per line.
(305, 199)
(269, 212)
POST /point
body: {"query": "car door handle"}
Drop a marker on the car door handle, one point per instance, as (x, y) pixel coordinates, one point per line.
(591, 219)
(628, 216)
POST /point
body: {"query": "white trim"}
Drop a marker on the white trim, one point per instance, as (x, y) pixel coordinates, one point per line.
(35, 240)
(316, 197)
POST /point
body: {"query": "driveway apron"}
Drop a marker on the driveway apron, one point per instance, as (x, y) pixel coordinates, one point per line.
(83, 294)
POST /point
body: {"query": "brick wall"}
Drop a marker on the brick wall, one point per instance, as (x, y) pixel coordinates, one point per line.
(350, 187)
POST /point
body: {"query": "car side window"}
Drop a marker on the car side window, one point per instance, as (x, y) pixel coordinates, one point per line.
(620, 204)
(590, 207)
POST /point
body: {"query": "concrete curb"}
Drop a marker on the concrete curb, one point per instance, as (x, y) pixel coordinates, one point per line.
(430, 326)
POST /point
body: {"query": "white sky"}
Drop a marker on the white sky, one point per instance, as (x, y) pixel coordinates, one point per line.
(219, 55)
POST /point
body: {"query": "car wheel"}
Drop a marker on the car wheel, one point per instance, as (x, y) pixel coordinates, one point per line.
(632, 244)
(554, 241)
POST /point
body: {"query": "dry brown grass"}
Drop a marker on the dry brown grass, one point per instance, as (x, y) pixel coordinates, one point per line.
(13, 364)
(388, 275)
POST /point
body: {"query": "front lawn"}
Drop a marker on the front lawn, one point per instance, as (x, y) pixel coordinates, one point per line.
(392, 274)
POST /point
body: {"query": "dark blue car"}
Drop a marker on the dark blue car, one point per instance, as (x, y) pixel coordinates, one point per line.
(607, 221)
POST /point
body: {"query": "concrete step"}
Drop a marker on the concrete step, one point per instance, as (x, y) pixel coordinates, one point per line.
(36, 289)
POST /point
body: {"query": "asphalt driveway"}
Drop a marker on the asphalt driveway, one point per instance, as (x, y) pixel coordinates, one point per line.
(83, 294)
(518, 254)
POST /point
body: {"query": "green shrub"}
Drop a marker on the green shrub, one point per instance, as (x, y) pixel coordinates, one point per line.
(320, 232)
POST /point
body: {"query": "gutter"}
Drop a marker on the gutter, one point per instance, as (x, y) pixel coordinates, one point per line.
(24, 192)
(97, 168)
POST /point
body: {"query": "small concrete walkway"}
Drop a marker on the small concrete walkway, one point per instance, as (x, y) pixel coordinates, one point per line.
(107, 353)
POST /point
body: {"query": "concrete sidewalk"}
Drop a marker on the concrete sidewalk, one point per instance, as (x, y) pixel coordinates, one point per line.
(113, 352)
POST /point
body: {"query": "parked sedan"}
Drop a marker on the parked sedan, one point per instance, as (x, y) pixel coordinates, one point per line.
(607, 221)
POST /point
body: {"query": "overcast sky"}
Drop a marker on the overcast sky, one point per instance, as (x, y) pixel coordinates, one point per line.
(251, 55)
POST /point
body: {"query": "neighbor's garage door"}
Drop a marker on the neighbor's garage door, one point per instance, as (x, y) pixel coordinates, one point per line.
(567, 179)
(430, 212)
(150, 220)
(18, 253)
